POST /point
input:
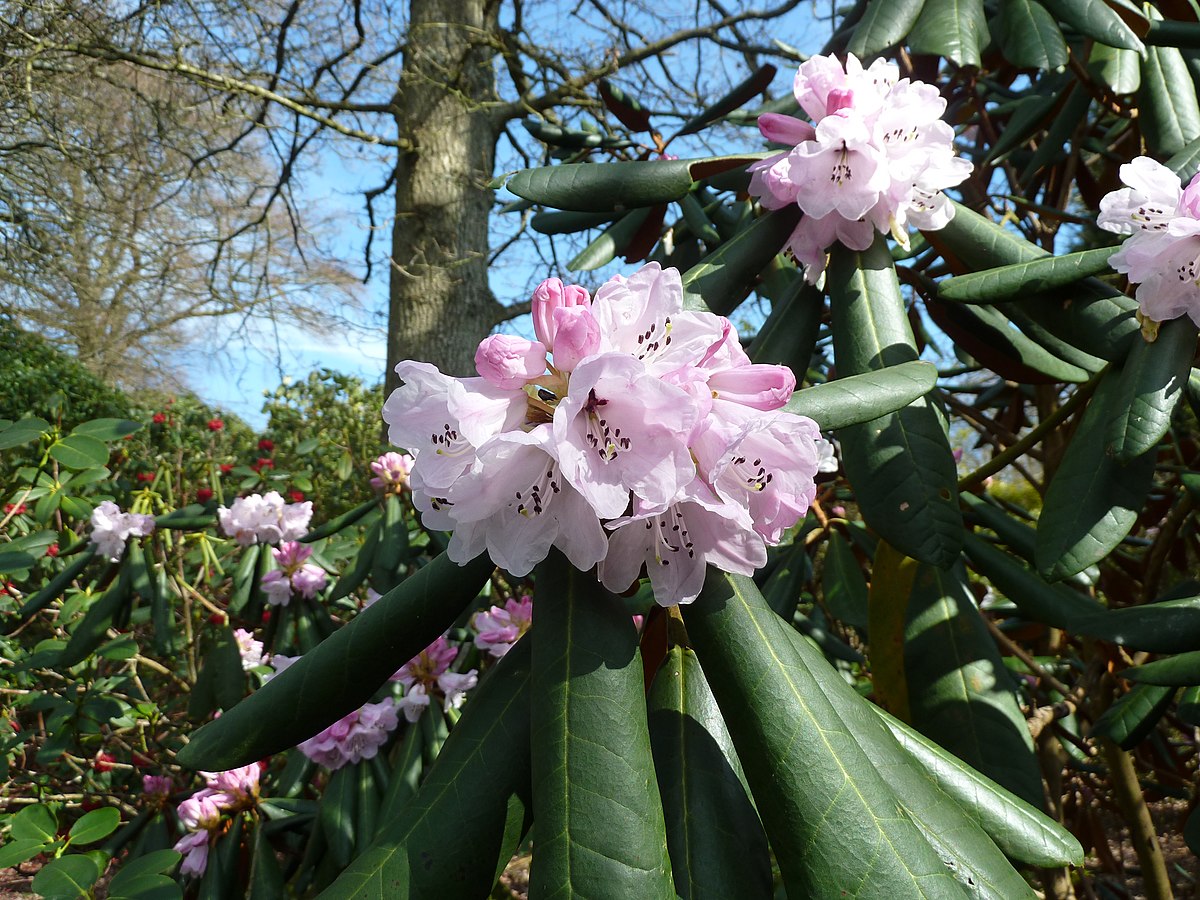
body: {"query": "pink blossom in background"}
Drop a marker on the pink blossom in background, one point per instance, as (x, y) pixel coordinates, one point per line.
(294, 575)
(111, 528)
(875, 158)
(498, 628)
(427, 674)
(645, 418)
(391, 471)
(249, 649)
(354, 737)
(1162, 253)
(264, 518)
(194, 847)
(156, 784)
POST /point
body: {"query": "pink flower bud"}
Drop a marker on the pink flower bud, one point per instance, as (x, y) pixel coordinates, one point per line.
(508, 361)
(548, 296)
(757, 386)
(785, 129)
(576, 336)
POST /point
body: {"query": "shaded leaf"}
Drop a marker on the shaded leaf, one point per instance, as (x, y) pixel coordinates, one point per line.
(1175, 671)
(22, 431)
(1151, 383)
(1132, 717)
(612, 241)
(34, 823)
(1096, 20)
(884, 23)
(843, 583)
(1029, 36)
(1009, 282)
(1169, 118)
(1171, 626)
(955, 29)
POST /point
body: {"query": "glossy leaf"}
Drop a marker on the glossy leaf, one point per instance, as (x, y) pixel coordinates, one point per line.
(460, 829)
(15, 852)
(1029, 36)
(807, 771)
(95, 825)
(341, 673)
(1151, 383)
(1021, 831)
(843, 583)
(558, 222)
(1058, 347)
(789, 335)
(722, 279)
(955, 29)
(33, 823)
(884, 24)
(1175, 671)
(753, 85)
(336, 816)
(79, 451)
(338, 523)
(22, 431)
(1169, 117)
(1096, 20)
(1132, 717)
(1186, 163)
(610, 242)
(600, 828)
(1118, 68)
(66, 878)
(1051, 604)
(716, 841)
(959, 691)
(1093, 500)
(900, 464)
(1171, 626)
(1009, 282)
(856, 399)
(16, 560)
(628, 111)
(108, 429)
(615, 187)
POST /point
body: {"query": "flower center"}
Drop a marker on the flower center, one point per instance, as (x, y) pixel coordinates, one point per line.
(753, 476)
(841, 169)
(533, 500)
(606, 441)
(449, 442)
(670, 538)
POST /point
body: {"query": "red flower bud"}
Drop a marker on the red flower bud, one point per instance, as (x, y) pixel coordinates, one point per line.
(226, 468)
(203, 495)
(103, 762)
(266, 444)
(296, 496)
(145, 476)
(215, 424)
(159, 418)
(52, 550)
(15, 509)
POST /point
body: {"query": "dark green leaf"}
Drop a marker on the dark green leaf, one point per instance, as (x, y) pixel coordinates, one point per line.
(788, 579)
(1120, 69)
(1188, 709)
(628, 111)
(1151, 383)
(808, 773)
(18, 851)
(843, 583)
(1030, 115)
(1172, 626)
(66, 878)
(95, 825)
(266, 877)
(342, 673)
(573, 138)
(392, 551)
(861, 398)
(1131, 719)
(557, 222)
(22, 431)
(611, 242)
(1057, 346)
(1093, 500)
(148, 886)
(461, 828)
(1009, 282)
(108, 429)
(96, 621)
(1175, 671)
(1095, 19)
(900, 464)
(717, 845)
(789, 335)
(334, 525)
(222, 681)
(960, 694)
(78, 451)
(955, 29)
(1022, 832)
(1051, 604)
(1029, 36)
(755, 84)
(338, 814)
(1168, 116)
(595, 797)
(722, 279)
(34, 823)
(16, 560)
(697, 220)
(884, 24)
(615, 187)
(363, 561)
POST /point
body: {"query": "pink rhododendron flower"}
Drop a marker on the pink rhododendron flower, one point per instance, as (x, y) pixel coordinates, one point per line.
(498, 628)
(875, 158)
(391, 471)
(643, 417)
(156, 784)
(427, 673)
(1162, 253)
(264, 518)
(249, 649)
(354, 737)
(111, 528)
(194, 847)
(294, 575)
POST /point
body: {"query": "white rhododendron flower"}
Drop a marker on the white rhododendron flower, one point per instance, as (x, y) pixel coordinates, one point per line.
(630, 433)
(111, 528)
(1162, 253)
(265, 518)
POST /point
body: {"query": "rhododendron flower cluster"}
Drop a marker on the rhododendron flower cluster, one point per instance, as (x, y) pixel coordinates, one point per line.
(250, 650)
(293, 575)
(264, 518)
(391, 471)
(875, 157)
(1162, 253)
(111, 528)
(200, 813)
(428, 674)
(498, 628)
(354, 737)
(630, 433)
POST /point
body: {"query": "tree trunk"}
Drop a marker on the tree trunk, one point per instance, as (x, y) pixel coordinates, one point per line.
(440, 305)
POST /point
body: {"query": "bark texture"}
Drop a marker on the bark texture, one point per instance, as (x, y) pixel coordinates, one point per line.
(440, 305)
